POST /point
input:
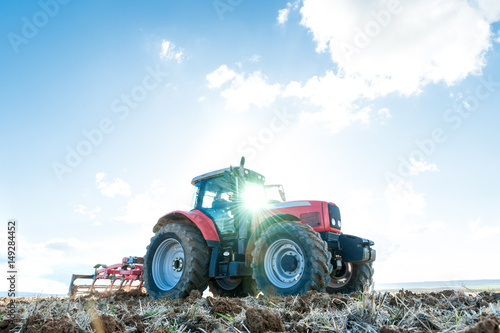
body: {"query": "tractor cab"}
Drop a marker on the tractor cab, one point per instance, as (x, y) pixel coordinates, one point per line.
(224, 195)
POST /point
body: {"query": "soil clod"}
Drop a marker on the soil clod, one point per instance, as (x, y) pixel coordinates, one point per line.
(225, 306)
(262, 320)
(486, 325)
(107, 323)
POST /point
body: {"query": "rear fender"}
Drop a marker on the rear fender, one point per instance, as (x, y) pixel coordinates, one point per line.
(266, 224)
(196, 217)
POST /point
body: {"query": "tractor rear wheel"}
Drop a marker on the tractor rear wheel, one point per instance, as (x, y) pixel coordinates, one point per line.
(233, 287)
(290, 259)
(176, 262)
(351, 278)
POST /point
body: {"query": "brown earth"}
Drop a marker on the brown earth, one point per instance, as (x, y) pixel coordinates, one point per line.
(107, 324)
(263, 320)
(36, 323)
(486, 325)
(401, 312)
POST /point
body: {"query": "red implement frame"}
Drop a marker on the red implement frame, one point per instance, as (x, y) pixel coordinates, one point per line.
(126, 273)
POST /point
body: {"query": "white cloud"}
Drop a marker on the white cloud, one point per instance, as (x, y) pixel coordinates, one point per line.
(480, 230)
(329, 90)
(384, 113)
(400, 48)
(381, 47)
(283, 15)
(389, 46)
(489, 8)
(335, 96)
(220, 76)
(253, 59)
(146, 208)
(253, 90)
(403, 201)
(170, 52)
(285, 12)
(417, 167)
(245, 90)
(81, 209)
(118, 187)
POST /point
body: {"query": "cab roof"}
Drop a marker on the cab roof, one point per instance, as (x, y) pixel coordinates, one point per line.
(249, 174)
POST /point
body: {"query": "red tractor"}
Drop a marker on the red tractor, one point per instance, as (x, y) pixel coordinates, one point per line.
(239, 239)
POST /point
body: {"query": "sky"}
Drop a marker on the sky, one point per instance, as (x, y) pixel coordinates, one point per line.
(387, 108)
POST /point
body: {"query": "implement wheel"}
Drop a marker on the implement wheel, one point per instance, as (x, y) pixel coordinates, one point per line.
(176, 262)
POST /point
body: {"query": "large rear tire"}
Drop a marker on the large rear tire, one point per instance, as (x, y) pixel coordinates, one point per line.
(233, 287)
(290, 259)
(351, 278)
(176, 262)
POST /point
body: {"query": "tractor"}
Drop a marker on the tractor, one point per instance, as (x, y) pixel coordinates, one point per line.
(242, 236)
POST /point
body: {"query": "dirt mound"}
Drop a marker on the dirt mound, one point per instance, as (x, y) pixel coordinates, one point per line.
(225, 306)
(262, 320)
(7, 325)
(135, 321)
(486, 325)
(193, 297)
(35, 324)
(107, 323)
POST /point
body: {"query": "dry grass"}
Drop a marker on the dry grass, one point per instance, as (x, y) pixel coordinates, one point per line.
(405, 311)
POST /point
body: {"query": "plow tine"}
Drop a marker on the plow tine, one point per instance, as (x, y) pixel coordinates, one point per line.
(122, 283)
(73, 288)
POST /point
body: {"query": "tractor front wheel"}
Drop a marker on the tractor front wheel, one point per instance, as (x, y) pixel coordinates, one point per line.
(290, 259)
(176, 262)
(351, 278)
(233, 287)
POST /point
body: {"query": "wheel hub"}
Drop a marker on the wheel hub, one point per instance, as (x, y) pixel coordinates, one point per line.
(178, 264)
(340, 278)
(289, 262)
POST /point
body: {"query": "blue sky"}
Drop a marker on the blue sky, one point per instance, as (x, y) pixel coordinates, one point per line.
(387, 108)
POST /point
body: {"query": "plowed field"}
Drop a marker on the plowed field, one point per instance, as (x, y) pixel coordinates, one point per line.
(404, 311)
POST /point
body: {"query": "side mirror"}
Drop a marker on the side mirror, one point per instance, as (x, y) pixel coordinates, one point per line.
(282, 194)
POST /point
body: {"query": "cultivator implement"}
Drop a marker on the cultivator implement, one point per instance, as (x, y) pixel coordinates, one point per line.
(126, 276)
